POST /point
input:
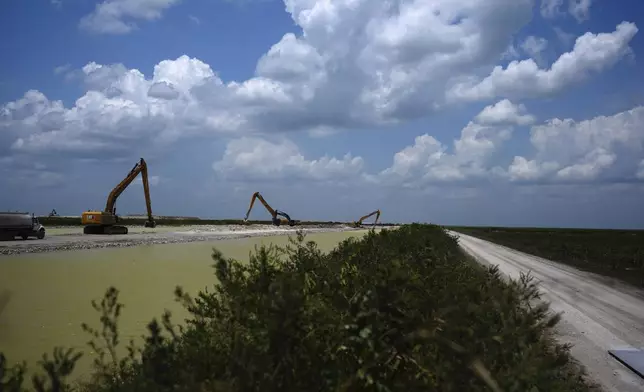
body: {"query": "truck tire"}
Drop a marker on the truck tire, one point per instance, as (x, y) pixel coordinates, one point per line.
(41, 234)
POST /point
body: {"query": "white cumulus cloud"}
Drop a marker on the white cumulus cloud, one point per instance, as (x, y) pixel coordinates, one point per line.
(592, 53)
(257, 159)
(357, 64)
(428, 160)
(505, 112)
(118, 16)
(605, 146)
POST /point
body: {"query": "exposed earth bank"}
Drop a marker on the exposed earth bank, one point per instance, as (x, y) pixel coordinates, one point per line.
(73, 239)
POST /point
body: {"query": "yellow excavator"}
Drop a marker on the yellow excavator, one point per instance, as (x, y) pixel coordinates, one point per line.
(358, 223)
(274, 213)
(105, 222)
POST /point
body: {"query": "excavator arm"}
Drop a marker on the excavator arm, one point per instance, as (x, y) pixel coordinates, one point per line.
(359, 222)
(274, 213)
(139, 167)
(104, 222)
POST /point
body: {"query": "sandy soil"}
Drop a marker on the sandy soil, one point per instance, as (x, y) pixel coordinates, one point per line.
(71, 239)
(599, 313)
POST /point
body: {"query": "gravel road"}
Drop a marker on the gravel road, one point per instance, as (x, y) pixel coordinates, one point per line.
(75, 241)
(599, 313)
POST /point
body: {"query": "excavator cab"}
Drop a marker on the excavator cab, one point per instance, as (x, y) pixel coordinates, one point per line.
(277, 221)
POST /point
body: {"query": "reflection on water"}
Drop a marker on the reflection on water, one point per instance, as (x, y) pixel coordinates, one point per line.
(51, 292)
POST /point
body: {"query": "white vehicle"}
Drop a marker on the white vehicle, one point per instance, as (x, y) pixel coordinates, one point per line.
(20, 224)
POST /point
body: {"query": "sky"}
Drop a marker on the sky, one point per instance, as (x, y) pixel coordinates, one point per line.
(455, 112)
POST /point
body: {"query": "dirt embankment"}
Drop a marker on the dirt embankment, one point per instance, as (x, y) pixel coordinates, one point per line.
(75, 240)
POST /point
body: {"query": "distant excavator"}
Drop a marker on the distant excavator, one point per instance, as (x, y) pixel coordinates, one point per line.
(274, 213)
(104, 222)
(358, 223)
(53, 213)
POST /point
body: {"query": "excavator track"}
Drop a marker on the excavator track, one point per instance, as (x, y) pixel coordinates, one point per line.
(93, 229)
(116, 230)
(108, 230)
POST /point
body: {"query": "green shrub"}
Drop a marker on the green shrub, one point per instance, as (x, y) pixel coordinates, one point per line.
(398, 310)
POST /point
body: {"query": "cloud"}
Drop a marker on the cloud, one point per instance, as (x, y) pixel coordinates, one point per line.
(357, 64)
(152, 180)
(564, 38)
(551, 8)
(257, 159)
(504, 112)
(603, 148)
(428, 160)
(510, 53)
(194, 19)
(118, 16)
(640, 170)
(592, 53)
(580, 9)
(61, 69)
(29, 173)
(534, 46)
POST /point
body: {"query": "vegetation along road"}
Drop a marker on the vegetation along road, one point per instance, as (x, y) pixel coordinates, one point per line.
(597, 316)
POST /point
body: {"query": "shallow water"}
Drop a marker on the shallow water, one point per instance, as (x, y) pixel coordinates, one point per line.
(51, 292)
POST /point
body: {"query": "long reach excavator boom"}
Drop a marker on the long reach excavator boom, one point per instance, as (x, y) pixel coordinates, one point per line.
(358, 223)
(274, 213)
(104, 222)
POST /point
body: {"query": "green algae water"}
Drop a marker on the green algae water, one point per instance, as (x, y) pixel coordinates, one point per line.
(50, 293)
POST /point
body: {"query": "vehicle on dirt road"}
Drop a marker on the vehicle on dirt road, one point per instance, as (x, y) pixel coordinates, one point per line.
(20, 224)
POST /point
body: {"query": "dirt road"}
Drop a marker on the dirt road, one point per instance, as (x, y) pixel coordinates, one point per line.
(599, 314)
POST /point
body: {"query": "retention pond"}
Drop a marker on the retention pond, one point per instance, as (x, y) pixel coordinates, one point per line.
(48, 295)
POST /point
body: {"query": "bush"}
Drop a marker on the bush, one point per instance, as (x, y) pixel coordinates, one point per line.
(402, 309)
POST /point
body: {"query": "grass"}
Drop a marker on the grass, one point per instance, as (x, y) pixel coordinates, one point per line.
(614, 253)
(400, 309)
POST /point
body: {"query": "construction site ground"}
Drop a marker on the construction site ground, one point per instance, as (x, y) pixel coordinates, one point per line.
(598, 313)
(72, 238)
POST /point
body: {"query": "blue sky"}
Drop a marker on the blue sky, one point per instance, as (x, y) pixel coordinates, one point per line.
(490, 112)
